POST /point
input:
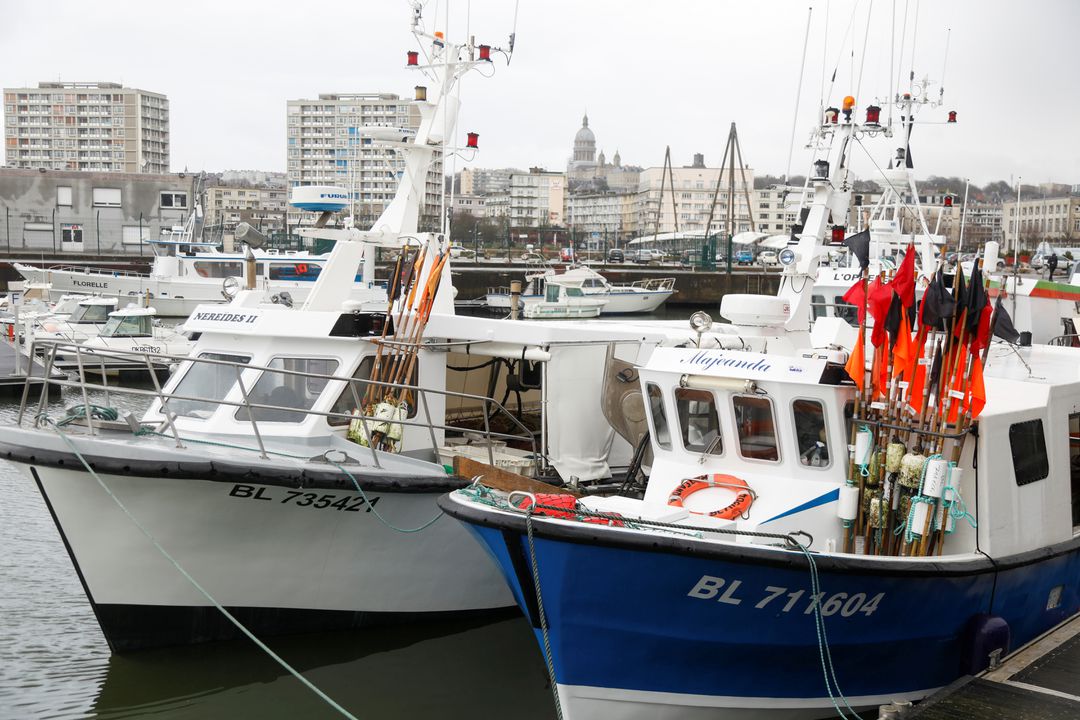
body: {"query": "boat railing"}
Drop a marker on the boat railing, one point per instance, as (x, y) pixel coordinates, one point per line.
(1068, 340)
(88, 365)
(650, 284)
(107, 272)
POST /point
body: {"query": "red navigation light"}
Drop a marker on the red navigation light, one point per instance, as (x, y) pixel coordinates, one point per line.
(873, 115)
(838, 232)
(472, 141)
(414, 58)
(952, 116)
(485, 52)
(948, 201)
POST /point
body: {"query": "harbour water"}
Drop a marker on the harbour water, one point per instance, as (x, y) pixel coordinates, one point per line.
(54, 662)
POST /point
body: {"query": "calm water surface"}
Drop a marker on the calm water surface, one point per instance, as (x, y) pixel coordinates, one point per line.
(54, 662)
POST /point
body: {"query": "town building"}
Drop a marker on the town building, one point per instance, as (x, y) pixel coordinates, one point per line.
(591, 174)
(694, 194)
(486, 181)
(264, 208)
(537, 199)
(50, 212)
(94, 126)
(326, 146)
(1034, 220)
(603, 218)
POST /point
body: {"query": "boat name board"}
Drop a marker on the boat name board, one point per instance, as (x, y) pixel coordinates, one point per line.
(216, 319)
(90, 284)
(738, 364)
(709, 587)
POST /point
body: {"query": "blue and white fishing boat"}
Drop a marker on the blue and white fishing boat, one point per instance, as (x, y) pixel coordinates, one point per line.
(809, 541)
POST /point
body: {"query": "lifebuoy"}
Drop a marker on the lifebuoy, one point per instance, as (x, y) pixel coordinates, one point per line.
(301, 269)
(744, 496)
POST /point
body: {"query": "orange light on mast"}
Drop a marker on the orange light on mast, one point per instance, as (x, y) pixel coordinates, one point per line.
(849, 105)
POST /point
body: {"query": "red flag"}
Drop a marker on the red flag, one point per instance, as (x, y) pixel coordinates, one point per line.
(880, 371)
(904, 280)
(879, 297)
(856, 364)
(918, 385)
(982, 337)
(977, 400)
(856, 296)
(903, 350)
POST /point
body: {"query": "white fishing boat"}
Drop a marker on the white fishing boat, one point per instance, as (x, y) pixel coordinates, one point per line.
(563, 302)
(642, 296)
(258, 481)
(819, 532)
(129, 332)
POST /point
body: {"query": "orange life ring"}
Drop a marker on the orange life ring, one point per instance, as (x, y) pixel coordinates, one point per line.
(744, 496)
(301, 269)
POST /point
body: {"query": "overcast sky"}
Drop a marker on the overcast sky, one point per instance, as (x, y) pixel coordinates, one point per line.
(649, 73)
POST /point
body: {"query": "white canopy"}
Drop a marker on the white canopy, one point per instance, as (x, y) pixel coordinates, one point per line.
(747, 238)
(776, 242)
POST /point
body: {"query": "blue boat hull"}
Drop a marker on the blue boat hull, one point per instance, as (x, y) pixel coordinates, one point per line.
(733, 627)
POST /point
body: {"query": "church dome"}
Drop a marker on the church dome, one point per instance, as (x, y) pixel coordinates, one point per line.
(584, 144)
(584, 135)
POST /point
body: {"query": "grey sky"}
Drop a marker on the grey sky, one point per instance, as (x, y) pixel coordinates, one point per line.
(649, 73)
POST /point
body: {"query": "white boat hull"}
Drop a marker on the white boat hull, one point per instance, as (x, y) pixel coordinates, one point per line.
(268, 552)
(621, 303)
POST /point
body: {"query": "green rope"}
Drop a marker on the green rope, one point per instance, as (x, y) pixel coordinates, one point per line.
(187, 576)
(97, 412)
(383, 520)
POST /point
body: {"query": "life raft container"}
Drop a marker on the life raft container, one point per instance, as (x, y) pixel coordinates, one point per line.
(744, 496)
(559, 505)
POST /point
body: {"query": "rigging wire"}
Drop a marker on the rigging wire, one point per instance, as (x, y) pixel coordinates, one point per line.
(900, 62)
(945, 62)
(843, 44)
(892, 56)
(866, 39)
(798, 94)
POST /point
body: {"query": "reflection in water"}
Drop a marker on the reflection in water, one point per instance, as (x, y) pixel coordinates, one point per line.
(54, 662)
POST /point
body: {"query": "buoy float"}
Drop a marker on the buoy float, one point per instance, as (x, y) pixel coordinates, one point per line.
(744, 496)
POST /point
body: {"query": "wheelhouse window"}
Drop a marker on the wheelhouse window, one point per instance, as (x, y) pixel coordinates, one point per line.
(128, 326)
(209, 382)
(817, 302)
(294, 271)
(756, 426)
(290, 394)
(346, 401)
(91, 313)
(1028, 444)
(698, 422)
(217, 269)
(659, 418)
(845, 310)
(813, 440)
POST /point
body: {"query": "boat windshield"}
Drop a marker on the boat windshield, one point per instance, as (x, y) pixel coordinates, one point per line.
(128, 326)
(95, 313)
(208, 381)
(285, 390)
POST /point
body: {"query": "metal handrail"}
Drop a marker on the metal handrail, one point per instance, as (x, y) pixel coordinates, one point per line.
(53, 347)
(1067, 340)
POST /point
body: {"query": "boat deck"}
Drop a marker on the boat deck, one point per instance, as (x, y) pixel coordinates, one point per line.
(13, 373)
(1040, 681)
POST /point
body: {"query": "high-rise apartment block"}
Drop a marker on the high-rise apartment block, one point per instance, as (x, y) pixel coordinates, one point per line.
(326, 146)
(99, 126)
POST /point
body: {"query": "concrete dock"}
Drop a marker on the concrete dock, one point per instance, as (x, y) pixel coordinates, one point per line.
(1040, 681)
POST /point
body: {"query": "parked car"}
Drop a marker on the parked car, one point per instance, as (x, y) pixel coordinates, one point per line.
(744, 257)
(615, 255)
(645, 255)
(768, 257)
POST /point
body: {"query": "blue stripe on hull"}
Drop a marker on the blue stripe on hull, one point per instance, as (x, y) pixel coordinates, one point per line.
(625, 618)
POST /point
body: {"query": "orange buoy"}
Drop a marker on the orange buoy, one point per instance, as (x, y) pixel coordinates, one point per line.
(744, 496)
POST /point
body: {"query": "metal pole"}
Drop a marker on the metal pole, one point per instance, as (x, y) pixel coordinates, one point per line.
(140, 235)
(963, 216)
(97, 228)
(54, 229)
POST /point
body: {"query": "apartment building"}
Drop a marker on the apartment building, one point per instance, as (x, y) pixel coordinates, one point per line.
(486, 181)
(325, 146)
(537, 199)
(612, 216)
(1048, 218)
(94, 126)
(265, 208)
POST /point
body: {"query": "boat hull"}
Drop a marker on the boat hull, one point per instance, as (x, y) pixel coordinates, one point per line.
(284, 560)
(618, 303)
(652, 630)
